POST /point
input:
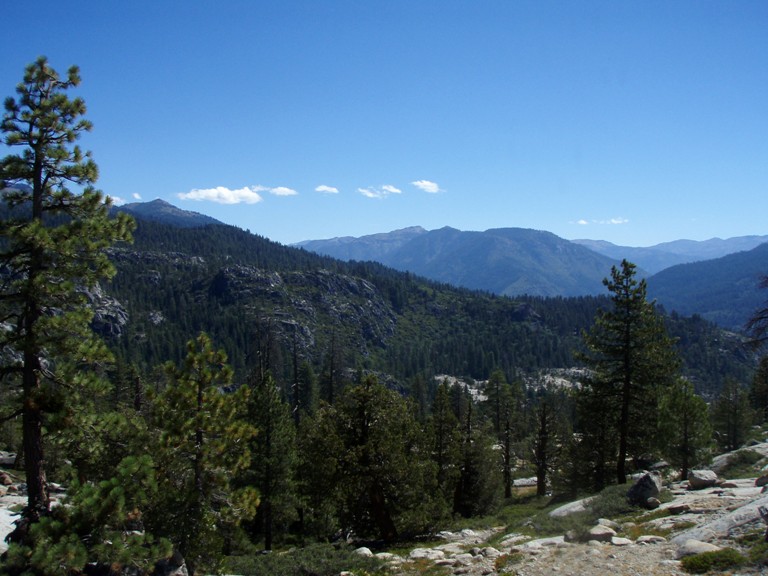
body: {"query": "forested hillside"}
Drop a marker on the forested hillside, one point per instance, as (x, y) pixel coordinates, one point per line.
(174, 282)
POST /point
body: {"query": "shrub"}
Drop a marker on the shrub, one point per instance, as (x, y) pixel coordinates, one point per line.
(741, 464)
(317, 559)
(709, 561)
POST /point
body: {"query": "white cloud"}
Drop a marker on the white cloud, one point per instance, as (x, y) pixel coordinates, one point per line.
(612, 221)
(223, 195)
(136, 196)
(283, 191)
(379, 192)
(427, 186)
(117, 201)
(327, 189)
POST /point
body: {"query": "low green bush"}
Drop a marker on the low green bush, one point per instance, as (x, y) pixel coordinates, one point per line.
(741, 464)
(710, 561)
(317, 559)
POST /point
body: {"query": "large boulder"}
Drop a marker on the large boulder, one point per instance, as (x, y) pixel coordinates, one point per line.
(700, 479)
(646, 487)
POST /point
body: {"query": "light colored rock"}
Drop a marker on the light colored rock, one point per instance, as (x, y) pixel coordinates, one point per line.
(364, 551)
(692, 547)
(650, 539)
(571, 508)
(431, 554)
(609, 523)
(700, 479)
(652, 503)
(490, 552)
(618, 541)
(601, 533)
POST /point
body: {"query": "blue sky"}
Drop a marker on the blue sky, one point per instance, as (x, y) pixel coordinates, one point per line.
(635, 122)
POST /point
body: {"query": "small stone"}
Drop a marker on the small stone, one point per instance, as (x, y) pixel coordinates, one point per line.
(618, 541)
(364, 551)
(652, 503)
(5, 479)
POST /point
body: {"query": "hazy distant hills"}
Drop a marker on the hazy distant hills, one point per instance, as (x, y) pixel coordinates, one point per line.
(717, 279)
(722, 290)
(656, 258)
(507, 261)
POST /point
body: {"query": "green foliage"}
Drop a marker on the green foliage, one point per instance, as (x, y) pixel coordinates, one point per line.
(318, 560)
(685, 433)
(731, 416)
(52, 253)
(742, 464)
(716, 561)
(758, 391)
(202, 444)
(367, 449)
(632, 359)
(273, 460)
(97, 523)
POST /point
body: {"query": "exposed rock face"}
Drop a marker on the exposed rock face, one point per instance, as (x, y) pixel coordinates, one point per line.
(298, 300)
(109, 315)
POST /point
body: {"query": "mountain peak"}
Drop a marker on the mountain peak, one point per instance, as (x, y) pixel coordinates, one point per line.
(161, 211)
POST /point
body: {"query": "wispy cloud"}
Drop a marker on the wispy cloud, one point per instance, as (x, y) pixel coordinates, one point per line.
(283, 191)
(427, 186)
(117, 200)
(379, 191)
(327, 189)
(223, 195)
(611, 221)
(136, 196)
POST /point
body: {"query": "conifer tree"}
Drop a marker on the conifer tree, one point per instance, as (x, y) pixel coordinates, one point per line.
(731, 416)
(632, 359)
(202, 445)
(445, 439)
(549, 436)
(53, 238)
(273, 458)
(758, 391)
(685, 430)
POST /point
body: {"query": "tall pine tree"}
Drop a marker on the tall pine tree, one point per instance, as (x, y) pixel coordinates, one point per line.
(53, 236)
(632, 359)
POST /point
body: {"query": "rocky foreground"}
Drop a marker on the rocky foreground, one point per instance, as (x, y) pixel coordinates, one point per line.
(703, 514)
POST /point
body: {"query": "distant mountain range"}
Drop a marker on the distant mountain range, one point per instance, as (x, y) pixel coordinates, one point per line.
(716, 279)
(656, 258)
